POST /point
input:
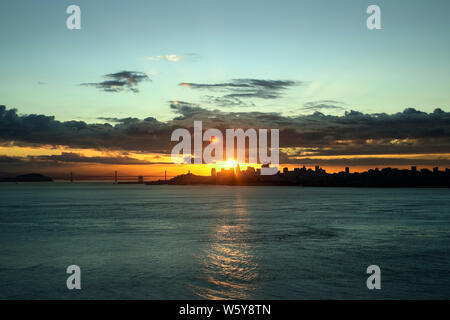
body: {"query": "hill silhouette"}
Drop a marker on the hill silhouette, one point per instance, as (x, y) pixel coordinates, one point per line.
(31, 177)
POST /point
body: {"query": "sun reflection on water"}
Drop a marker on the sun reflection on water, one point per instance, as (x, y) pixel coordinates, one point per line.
(229, 267)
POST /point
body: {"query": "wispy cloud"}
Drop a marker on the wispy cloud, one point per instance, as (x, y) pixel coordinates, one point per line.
(246, 88)
(7, 159)
(167, 57)
(233, 93)
(77, 157)
(120, 81)
(66, 158)
(321, 105)
(228, 101)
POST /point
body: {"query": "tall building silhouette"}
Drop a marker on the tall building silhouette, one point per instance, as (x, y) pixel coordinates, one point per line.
(238, 170)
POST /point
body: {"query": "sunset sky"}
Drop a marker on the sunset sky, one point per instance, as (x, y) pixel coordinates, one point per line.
(108, 96)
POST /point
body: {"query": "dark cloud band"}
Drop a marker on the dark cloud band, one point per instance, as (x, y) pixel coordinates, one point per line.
(407, 132)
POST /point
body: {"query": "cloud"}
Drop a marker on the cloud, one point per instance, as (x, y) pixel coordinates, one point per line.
(58, 164)
(317, 134)
(76, 157)
(128, 134)
(71, 157)
(329, 105)
(79, 158)
(167, 57)
(6, 159)
(237, 92)
(367, 161)
(186, 108)
(120, 81)
(246, 88)
(228, 101)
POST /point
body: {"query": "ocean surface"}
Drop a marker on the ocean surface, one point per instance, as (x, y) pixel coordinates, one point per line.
(222, 242)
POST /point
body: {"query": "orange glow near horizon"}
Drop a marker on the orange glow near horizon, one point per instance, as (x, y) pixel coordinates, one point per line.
(159, 163)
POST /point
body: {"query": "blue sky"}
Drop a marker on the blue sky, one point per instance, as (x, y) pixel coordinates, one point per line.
(303, 65)
(325, 45)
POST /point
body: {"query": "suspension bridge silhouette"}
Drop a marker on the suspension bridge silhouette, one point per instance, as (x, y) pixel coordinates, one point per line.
(115, 177)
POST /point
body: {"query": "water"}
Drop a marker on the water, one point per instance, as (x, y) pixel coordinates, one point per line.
(196, 242)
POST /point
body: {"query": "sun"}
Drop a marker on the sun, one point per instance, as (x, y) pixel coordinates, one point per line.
(231, 163)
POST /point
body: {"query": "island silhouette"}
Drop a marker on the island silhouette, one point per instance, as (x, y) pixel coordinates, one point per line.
(31, 177)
